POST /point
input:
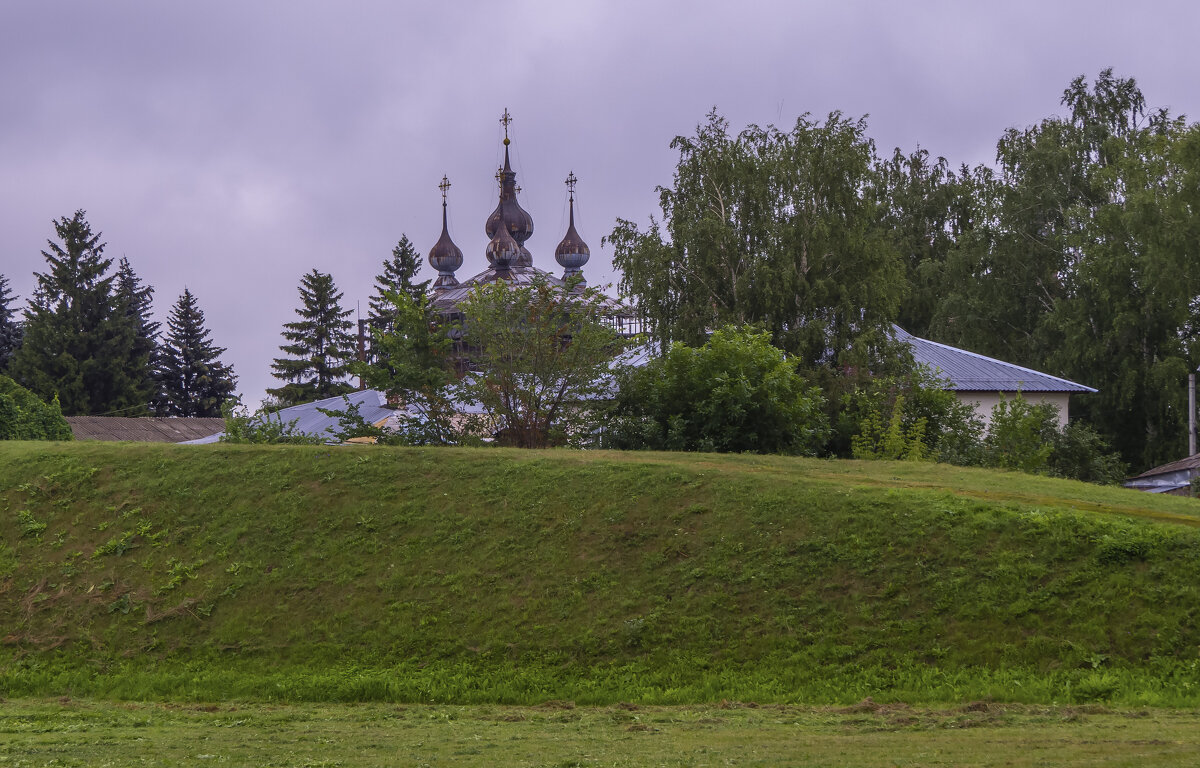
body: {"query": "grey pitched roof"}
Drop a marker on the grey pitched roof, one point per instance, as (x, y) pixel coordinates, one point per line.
(969, 372)
(143, 429)
(309, 420)
(372, 405)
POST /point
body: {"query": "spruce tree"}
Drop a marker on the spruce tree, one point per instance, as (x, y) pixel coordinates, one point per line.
(192, 381)
(319, 346)
(10, 329)
(79, 342)
(134, 306)
(397, 277)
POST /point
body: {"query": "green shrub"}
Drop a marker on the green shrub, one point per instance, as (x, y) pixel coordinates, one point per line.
(735, 393)
(23, 416)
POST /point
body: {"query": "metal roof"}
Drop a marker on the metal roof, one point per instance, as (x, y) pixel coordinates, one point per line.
(372, 405)
(970, 372)
(448, 299)
(1191, 462)
(144, 429)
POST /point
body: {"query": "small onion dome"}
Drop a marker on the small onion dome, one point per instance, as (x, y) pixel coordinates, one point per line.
(572, 253)
(445, 257)
(503, 251)
(516, 220)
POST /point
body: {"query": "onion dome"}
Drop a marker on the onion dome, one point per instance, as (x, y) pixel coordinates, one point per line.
(516, 220)
(572, 253)
(503, 252)
(445, 257)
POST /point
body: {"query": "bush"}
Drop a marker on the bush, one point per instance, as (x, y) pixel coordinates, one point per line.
(1026, 436)
(907, 417)
(735, 393)
(261, 427)
(23, 416)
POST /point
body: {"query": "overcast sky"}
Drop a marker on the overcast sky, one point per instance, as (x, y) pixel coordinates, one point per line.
(230, 147)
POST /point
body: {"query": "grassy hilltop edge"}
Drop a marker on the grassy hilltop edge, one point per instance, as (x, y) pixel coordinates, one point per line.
(504, 576)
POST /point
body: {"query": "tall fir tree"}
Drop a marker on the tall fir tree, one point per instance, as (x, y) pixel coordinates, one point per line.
(79, 343)
(134, 302)
(319, 345)
(192, 380)
(10, 329)
(398, 277)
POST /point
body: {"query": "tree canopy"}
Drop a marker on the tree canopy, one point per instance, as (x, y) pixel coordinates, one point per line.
(539, 356)
(773, 228)
(82, 339)
(192, 379)
(319, 346)
(10, 328)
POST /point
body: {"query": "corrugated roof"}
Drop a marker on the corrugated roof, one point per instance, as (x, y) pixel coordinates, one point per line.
(143, 429)
(310, 421)
(970, 372)
(1191, 462)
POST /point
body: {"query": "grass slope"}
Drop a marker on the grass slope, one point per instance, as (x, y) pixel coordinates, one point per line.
(488, 575)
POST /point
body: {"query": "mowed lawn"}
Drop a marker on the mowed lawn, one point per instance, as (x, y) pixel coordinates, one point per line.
(66, 732)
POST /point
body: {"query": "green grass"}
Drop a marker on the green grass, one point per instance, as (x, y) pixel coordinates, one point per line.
(76, 733)
(297, 573)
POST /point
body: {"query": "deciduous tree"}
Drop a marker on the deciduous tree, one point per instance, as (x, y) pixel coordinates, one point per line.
(539, 357)
(774, 228)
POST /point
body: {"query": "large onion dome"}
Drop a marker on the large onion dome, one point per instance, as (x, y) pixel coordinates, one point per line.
(503, 252)
(516, 220)
(445, 257)
(572, 253)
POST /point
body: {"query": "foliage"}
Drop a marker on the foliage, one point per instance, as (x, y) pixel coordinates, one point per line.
(927, 209)
(735, 393)
(894, 440)
(135, 301)
(1020, 435)
(906, 416)
(1080, 453)
(398, 276)
(192, 380)
(773, 228)
(539, 357)
(1026, 436)
(10, 328)
(82, 338)
(319, 345)
(25, 417)
(1083, 263)
(262, 427)
(413, 363)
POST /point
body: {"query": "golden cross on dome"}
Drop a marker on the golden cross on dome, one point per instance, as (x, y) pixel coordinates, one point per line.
(445, 187)
(500, 176)
(570, 182)
(505, 120)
